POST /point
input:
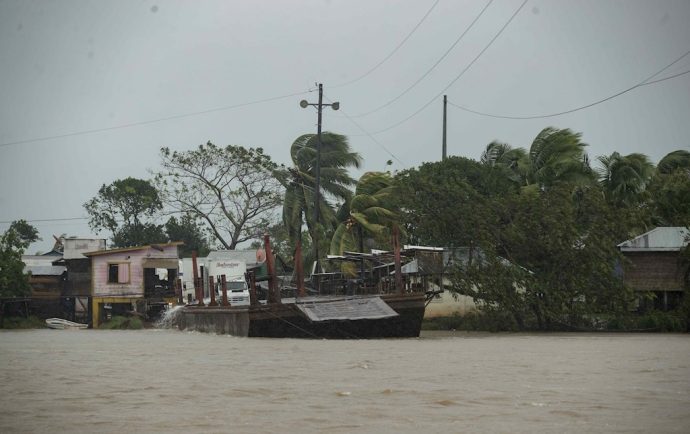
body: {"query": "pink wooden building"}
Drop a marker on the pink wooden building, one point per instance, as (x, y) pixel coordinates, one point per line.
(132, 279)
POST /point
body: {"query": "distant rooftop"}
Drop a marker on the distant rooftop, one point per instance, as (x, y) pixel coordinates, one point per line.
(660, 239)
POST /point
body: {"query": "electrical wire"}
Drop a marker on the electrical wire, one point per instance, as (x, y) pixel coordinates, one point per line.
(366, 133)
(347, 83)
(646, 82)
(457, 77)
(152, 121)
(49, 220)
(413, 85)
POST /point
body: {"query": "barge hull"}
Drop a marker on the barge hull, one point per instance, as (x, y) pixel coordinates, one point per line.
(285, 320)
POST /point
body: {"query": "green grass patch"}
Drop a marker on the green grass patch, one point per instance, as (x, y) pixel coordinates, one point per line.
(652, 321)
(18, 322)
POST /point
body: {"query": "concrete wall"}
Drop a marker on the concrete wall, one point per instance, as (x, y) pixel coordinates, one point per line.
(446, 305)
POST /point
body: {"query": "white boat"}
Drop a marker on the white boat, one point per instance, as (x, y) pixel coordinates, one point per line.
(63, 324)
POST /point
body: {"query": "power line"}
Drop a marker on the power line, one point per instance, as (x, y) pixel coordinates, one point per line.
(413, 85)
(347, 83)
(167, 118)
(645, 82)
(373, 139)
(456, 77)
(48, 220)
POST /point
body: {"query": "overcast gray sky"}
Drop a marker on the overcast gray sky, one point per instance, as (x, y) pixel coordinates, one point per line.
(71, 66)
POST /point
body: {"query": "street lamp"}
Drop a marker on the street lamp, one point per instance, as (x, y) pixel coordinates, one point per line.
(319, 106)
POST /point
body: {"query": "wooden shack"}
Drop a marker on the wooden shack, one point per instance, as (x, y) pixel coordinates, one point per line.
(654, 266)
(131, 279)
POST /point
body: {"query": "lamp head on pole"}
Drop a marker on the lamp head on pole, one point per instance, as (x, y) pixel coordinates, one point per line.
(303, 103)
(335, 105)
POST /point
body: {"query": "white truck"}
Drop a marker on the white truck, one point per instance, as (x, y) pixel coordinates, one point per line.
(215, 265)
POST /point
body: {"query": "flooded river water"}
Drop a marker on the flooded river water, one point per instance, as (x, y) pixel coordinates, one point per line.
(166, 381)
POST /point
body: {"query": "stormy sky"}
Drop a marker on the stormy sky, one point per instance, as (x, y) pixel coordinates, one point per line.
(90, 90)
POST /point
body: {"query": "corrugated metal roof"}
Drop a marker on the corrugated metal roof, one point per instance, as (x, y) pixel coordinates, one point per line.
(44, 270)
(670, 238)
(132, 249)
(347, 309)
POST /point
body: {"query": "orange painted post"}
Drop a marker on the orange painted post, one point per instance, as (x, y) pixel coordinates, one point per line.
(224, 286)
(253, 300)
(178, 291)
(212, 291)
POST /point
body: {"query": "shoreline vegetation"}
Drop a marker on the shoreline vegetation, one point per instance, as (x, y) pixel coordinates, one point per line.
(652, 322)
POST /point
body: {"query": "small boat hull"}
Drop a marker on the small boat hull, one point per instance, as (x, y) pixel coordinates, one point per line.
(63, 324)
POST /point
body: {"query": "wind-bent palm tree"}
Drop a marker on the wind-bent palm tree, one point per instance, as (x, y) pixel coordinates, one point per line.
(300, 182)
(512, 161)
(558, 156)
(554, 156)
(368, 213)
(625, 177)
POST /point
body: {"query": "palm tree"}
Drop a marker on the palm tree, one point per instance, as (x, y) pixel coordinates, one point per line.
(300, 183)
(554, 156)
(558, 156)
(513, 161)
(624, 178)
(674, 160)
(368, 213)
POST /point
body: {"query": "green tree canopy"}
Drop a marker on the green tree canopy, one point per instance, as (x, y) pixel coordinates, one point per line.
(188, 230)
(13, 242)
(128, 209)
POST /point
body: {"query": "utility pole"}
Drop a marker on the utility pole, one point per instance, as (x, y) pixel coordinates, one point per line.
(319, 107)
(445, 110)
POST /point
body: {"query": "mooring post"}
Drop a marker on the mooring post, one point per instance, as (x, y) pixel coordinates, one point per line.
(251, 277)
(197, 281)
(299, 269)
(178, 291)
(273, 290)
(212, 291)
(224, 286)
(398, 268)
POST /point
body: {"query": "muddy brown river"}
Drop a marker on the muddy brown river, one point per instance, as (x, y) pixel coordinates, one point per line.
(166, 381)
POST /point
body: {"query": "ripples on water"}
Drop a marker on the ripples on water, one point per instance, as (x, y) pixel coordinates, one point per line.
(179, 382)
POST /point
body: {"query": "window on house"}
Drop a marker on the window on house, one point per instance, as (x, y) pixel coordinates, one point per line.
(118, 273)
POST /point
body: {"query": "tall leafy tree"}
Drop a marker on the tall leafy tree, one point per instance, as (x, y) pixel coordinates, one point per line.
(551, 262)
(233, 189)
(669, 191)
(13, 242)
(300, 184)
(188, 230)
(447, 203)
(128, 208)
